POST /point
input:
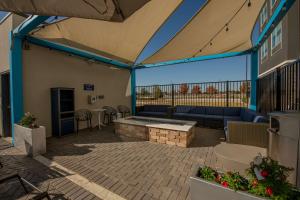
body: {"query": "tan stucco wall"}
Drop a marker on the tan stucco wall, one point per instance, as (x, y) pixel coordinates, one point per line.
(7, 25)
(5, 29)
(44, 69)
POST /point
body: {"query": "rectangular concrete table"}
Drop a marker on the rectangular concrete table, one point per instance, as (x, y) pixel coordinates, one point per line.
(159, 130)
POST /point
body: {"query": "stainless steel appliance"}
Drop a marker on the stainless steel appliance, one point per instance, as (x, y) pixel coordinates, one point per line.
(284, 133)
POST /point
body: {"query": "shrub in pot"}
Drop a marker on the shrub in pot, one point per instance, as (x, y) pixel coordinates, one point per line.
(265, 179)
(29, 137)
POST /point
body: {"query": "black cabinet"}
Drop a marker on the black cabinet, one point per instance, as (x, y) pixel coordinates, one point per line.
(62, 111)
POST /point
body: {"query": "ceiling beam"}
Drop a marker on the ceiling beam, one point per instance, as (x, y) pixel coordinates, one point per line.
(195, 59)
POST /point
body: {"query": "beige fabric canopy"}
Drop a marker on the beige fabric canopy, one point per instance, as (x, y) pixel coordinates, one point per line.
(207, 33)
(110, 10)
(123, 41)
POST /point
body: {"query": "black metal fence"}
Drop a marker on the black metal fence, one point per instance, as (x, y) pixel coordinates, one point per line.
(280, 90)
(225, 94)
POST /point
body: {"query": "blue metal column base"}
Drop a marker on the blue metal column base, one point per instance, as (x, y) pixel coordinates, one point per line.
(133, 91)
(16, 81)
(254, 76)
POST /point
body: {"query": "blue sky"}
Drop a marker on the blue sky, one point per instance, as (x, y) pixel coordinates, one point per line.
(212, 70)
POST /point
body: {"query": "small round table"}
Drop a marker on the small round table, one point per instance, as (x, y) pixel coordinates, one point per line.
(99, 111)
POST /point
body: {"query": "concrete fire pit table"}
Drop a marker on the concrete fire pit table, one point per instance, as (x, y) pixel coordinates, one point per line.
(163, 131)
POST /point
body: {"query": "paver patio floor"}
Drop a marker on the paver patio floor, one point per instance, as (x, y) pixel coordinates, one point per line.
(132, 168)
(44, 178)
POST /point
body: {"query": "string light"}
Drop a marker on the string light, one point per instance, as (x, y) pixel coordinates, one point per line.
(226, 27)
(249, 3)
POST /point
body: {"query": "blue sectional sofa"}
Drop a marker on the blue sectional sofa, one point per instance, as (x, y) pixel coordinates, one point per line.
(215, 117)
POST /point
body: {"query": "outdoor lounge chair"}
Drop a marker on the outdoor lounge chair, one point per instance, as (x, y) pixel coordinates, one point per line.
(124, 110)
(247, 133)
(109, 114)
(83, 115)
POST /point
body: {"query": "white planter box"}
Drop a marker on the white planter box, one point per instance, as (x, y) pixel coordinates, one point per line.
(30, 141)
(205, 190)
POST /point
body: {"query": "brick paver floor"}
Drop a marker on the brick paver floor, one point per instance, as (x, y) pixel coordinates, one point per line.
(45, 179)
(135, 169)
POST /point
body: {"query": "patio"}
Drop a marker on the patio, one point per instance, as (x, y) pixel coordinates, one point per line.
(126, 167)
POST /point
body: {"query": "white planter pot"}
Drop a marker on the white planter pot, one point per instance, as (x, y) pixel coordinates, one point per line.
(205, 190)
(30, 141)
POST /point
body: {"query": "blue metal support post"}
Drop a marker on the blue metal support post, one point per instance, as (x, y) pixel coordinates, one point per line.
(133, 90)
(16, 68)
(16, 81)
(254, 76)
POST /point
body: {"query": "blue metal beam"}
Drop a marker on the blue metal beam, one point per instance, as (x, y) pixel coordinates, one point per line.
(75, 51)
(278, 14)
(254, 76)
(29, 24)
(133, 91)
(195, 59)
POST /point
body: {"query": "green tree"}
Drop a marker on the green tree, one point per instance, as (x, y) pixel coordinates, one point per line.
(144, 92)
(157, 92)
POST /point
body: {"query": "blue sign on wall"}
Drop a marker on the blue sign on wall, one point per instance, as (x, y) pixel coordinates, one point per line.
(88, 87)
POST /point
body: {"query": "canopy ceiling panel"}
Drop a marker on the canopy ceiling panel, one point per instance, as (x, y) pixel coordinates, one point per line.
(121, 40)
(111, 10)
(207, 33)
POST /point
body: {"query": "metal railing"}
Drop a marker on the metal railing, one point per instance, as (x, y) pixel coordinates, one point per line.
(280, 90)
(223, 94)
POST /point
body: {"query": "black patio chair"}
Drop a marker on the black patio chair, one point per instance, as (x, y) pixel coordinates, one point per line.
(81, 116)
(109, 114)
(124, 110)
(22, 181)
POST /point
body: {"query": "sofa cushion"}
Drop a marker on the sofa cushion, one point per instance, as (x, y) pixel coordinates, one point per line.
(183, 109)
(247, 115)
(156, 108)
(215, 117)
(214, 111)
(232, 111)
(196, 116)
(198, 110)
(260, 119)
(149, 114)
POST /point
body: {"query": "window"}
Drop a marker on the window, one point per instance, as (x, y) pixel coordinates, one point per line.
(272, 3)
(263, 15)
(276, 37)
(264, 50)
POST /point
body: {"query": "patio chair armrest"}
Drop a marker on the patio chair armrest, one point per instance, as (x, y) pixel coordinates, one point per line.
(248, 133)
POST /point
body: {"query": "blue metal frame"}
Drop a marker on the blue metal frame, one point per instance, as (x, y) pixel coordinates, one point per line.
(133, 91)
(278, 14)
(16, 69)
(254, 76)
(16, 81)
(28, 25)
(75, 51)
(195, 59)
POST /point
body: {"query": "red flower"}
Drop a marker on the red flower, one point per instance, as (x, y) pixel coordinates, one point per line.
(269, 191)
(254, 182)
(264, 173)
(225, 184)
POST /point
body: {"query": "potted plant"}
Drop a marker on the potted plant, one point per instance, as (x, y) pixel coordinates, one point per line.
(265, 179)
(29, 137)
